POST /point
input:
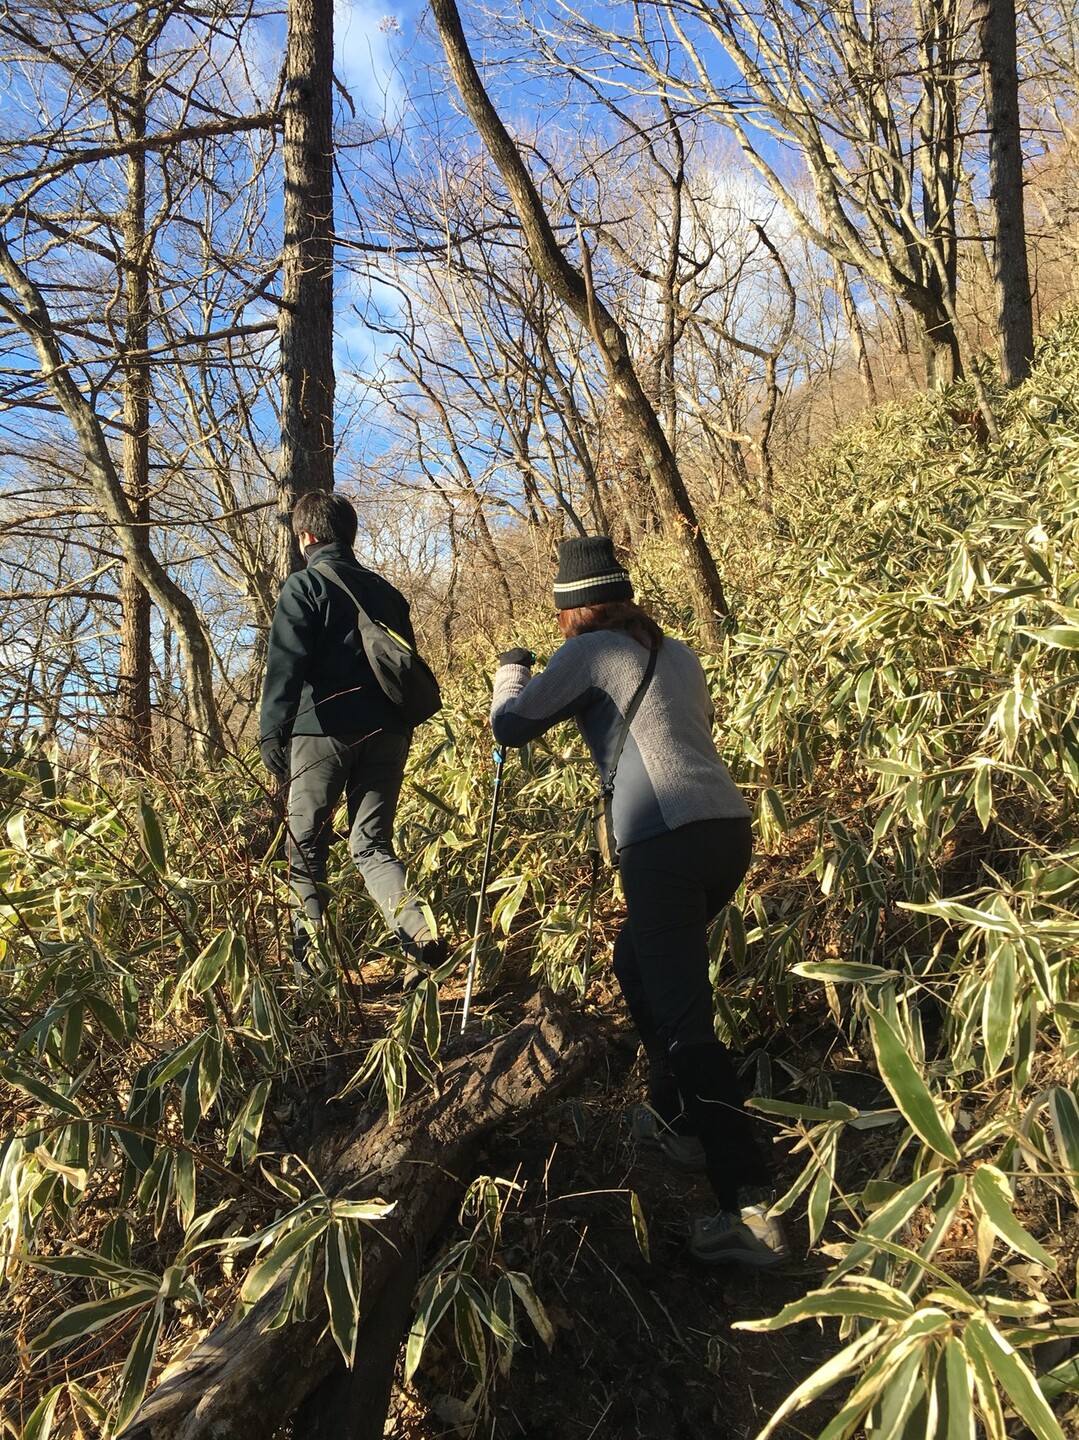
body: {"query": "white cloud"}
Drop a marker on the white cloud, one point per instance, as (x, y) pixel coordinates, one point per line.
(364, 35)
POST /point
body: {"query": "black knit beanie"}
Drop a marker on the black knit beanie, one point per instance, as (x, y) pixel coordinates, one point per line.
(588, 573)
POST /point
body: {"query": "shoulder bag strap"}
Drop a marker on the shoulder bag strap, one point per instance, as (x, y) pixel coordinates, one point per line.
(365, 619)
(634, 704)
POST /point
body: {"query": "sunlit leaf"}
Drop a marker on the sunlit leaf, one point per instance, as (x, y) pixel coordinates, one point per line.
(1006, 1366)
(245, 1129)
(908, 1089)
(37, 1090)
(954, 1384)
(1064, 1112)
(849, 1359)
(983, 794)
(206, 969)
(993, 1194)
(283, 1254)
(39, 1424)
(844, 972)
(904, 1392)
(640, 1224)
(999, 1014)
(150, 833)
(135, 1375)
(888, 1220)
(1061, 637)
(534, 1308)
(84, 1319)
(343, 1262)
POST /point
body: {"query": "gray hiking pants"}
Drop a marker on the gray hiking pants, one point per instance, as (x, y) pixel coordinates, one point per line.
(368, 771)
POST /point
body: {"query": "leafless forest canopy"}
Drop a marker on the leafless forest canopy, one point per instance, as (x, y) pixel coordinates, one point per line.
(783, 209)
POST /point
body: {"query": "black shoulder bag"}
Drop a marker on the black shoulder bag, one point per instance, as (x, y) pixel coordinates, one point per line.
(603, 840)
(404, 677)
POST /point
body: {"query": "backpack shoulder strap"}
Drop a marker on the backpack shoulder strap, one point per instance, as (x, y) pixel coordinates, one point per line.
(331, 574)
(634, 705)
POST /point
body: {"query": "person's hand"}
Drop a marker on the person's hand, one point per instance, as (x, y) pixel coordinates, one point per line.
(517, 657)
(274, 754)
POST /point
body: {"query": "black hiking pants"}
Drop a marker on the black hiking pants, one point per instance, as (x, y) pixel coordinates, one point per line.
(675, 885)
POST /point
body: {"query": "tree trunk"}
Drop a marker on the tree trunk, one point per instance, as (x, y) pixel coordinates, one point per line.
(133, 683)
(856, 331)
(940, 345)
(306, 327)
(244, 1381)
(1015, 317)
(676, 511)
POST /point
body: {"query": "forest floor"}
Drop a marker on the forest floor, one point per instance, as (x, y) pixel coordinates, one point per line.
(644, 1348)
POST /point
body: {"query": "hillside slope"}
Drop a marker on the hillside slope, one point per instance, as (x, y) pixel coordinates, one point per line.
(898, 696)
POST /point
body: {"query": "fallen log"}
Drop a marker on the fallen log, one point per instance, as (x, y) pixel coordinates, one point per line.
(243, 1382)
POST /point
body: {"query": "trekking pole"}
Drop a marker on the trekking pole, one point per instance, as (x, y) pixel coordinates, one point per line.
(500, 760)
(593, 884)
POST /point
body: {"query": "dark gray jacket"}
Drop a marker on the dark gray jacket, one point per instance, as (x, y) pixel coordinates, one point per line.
(318, 678)
(670, 773)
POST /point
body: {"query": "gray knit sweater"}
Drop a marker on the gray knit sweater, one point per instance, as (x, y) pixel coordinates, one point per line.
(669, 774)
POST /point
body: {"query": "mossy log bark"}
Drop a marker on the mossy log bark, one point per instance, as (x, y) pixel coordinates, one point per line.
(243, 1382)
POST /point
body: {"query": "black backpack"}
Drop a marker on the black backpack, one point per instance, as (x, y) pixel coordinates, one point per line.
(404, 676)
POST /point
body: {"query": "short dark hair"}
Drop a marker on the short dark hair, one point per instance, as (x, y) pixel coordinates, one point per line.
(325, 515)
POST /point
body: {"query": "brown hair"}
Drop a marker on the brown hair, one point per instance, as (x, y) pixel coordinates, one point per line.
(624, 615)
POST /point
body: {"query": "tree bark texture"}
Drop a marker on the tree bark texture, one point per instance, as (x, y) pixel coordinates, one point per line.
(133, 683)
(856, 331)
(306, 324)
(573, 289)
(1015, 317)
(937, 25)
(244, 1381)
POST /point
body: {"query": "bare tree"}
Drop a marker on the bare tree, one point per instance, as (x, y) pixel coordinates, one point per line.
(306, 327)
(83, 294)
(574, 289)
(868, 98)
(133, 681)
(1015, 316)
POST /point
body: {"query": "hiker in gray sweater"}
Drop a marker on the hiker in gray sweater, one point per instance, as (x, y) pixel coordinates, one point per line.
(683, 836)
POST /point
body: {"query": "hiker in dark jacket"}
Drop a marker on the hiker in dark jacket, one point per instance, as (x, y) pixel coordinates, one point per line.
(326, 723)
(684, 841)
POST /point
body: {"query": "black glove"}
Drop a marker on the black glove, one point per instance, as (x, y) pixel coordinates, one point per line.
(517, 657)
(274, 754)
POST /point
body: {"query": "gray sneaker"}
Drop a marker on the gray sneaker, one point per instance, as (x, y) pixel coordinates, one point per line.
(684, 1152)
(753, 1238)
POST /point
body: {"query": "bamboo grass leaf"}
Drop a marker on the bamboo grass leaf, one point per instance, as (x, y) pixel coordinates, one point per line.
(343, 1267)
(907, 1087)
(999, 1010)
(152, 837)
(263, 1274)
(39, 1424)
(84, 1319)
(640, 1225)
(534, 1307)
(993, 1196)
(954, 1385)
(135, 1375)
(1064, 1112)
(1008, 1368)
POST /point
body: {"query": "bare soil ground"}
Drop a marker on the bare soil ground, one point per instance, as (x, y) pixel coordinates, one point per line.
(644, 1348)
